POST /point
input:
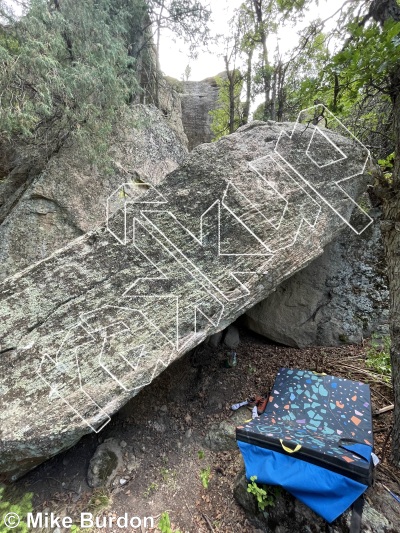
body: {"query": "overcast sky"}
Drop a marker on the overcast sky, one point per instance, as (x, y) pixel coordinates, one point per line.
(174, 55)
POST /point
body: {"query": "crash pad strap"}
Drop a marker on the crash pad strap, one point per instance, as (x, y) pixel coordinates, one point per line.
(355, 526)
(289, 450)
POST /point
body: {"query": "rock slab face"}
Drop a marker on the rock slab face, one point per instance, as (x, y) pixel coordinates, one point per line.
(69, 198)
(341, 297)
(87, 328)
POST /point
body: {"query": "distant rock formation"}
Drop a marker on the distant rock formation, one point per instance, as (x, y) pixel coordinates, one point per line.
(85, 329)
(198, 99)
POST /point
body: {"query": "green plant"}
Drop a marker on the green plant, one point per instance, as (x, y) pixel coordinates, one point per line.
(150, 489)
(175, 84)
(220, 117)
(20, 505)
(378, 355)
(387, 166)
(164, 524)
(205, 474)
(66, 73)
(201, 454)
(75, 529)
(365, 203)
(264, 495)
(251, 370)
(167, 474)
(99, 501)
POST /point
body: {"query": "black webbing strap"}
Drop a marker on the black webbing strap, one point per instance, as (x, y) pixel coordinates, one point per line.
(358, 505)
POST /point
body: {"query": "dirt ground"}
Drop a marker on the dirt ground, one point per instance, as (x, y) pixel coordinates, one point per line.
(162, 434)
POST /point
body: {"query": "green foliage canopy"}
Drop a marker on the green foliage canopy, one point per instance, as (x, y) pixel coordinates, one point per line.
(65, 69)
(220, 125)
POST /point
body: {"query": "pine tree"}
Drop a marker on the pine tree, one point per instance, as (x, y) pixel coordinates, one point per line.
(65, 70)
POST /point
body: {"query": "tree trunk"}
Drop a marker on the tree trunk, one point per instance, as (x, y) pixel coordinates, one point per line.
(246, 109)
(382, 11)
(232, 104)
(336, 92)
(158, 68)
(391, 234)
(273, 93)
(281, 91)
(266, 75)
(231, 75)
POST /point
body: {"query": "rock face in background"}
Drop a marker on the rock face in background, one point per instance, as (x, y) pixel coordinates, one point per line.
(198, 99)
(85, 329)
(341, 297)
(170, 104)
(69, 197)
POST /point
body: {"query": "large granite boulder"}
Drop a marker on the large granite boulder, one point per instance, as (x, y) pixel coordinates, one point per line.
(39, 214)
(340, 298)
(86, 328)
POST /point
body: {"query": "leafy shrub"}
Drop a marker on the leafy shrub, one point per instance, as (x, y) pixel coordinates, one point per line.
(20, 506)
(264, 495)
(387, 166)
(205, 476)
(164, 525)
(66, 71)
(378, 355)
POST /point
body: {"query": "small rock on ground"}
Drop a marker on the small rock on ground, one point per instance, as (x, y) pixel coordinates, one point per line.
(222, 436)
(214, 340)
(232, 339)
(105, 464)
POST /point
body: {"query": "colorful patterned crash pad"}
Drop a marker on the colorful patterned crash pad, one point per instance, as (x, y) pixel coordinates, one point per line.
(315, 439)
